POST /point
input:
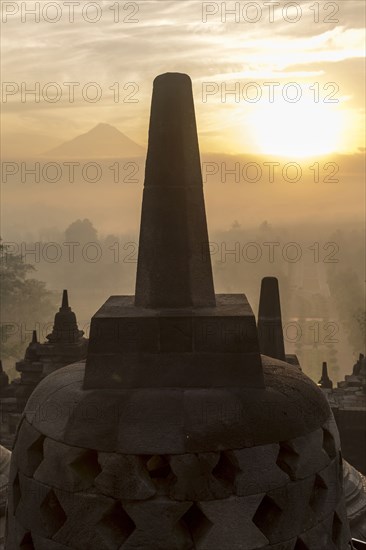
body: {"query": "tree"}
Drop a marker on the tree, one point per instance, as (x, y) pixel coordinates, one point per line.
(25, 304)
(81, 231)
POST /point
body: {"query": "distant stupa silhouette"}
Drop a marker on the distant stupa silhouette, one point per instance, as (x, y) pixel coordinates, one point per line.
(325, 382)
(176, 434)
(65, 328)
(270, 331)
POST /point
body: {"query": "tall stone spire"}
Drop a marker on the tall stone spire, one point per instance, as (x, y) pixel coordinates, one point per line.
(270, 332)
(174, 267)
(65, 328)
(65, 300)
(174, 332)
(325, 382)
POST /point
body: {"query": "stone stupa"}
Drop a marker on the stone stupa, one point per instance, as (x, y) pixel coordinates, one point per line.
(176, 434)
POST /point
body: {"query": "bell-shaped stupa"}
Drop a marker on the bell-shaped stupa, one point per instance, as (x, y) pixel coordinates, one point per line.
(176, 434)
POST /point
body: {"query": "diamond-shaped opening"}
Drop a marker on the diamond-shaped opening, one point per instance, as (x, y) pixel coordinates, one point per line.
(329, 445)
(53, 514)
(16, 493)
(300, 545)
(115, 526)
(337, 529)
(287, 459)
(196, 522)
(158, 467)
(35, 454)
(267, 515)
(318, 496)
(87, 466)
(227, 468)
(27, 542)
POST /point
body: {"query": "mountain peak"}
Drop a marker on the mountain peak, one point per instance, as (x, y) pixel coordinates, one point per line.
(101, 141)
(104, 127)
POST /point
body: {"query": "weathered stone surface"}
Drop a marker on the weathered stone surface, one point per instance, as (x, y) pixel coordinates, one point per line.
(330, 443)
(258, 470)
(158, 525)
(292, 359)
(17, 536)
(50, 413)
(284, 512)
(124, 477)
(166, 370)
(292, 382)
(303, 456)
(320, 537)
(196, 479)
(340, 526)
(330, 426)
(174, 267)
(39, 510)
(354, 484)
(152, 422)
(327, 491)
(232, 526)
(173, 420)
(28, 452)
(187, 347)
(93, 521)
(68, 468)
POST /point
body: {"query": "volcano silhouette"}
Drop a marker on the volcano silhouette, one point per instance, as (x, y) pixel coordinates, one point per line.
(101, 141)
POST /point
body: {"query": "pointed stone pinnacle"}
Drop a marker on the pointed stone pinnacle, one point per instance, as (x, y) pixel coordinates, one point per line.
(270, 332)
(31, 353)
(325, 382)
(174, 264)
(65, 300)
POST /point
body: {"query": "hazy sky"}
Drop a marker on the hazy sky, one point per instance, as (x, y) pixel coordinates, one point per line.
(317, 46)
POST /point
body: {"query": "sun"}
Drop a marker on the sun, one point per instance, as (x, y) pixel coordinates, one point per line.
(303, 129)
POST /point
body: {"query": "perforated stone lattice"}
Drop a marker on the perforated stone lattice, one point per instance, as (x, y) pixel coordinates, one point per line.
(53, 515)
(35, 454)
(182, 502)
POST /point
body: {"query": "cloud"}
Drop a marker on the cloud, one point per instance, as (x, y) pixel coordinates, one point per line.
(170, 36)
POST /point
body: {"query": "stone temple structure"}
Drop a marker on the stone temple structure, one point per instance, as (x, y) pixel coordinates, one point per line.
(348, 403)
(271, 340)
(176, 434)
(66, 344)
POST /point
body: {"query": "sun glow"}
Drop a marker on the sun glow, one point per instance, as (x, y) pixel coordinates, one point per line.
(302, 129)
